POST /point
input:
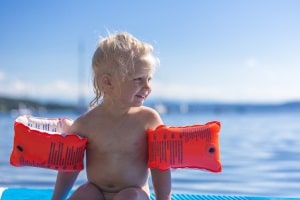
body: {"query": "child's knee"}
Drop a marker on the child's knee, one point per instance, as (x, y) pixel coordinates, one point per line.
(87, 191)
(132, 193)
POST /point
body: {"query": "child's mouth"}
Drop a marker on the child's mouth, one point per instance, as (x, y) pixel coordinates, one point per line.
(141, 96)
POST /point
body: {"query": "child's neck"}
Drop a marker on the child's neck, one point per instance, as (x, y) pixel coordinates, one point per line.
(114, 110)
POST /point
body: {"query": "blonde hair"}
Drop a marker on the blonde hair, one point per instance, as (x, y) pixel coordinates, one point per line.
(118, 53)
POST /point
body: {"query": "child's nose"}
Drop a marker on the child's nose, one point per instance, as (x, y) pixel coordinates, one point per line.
(147, 85)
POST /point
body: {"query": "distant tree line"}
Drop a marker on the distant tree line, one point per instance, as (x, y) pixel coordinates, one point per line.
(8, 104)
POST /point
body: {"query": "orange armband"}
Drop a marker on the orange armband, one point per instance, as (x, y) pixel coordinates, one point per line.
(185, 147)
(41, 142)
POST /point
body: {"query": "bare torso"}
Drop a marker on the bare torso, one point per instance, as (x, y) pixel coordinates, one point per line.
(116, 156)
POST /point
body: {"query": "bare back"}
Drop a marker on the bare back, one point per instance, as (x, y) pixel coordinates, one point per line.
(116, 156)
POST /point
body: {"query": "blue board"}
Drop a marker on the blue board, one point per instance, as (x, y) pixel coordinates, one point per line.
(45, 194)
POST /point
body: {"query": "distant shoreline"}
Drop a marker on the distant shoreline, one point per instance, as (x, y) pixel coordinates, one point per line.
(8, 104)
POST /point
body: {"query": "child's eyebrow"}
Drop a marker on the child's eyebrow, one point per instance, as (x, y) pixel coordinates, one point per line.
(142, 74)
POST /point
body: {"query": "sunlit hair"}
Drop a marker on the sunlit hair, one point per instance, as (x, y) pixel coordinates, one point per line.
(118, 53)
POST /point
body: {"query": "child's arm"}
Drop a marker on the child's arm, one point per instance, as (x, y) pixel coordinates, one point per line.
(63, 185)
(162, 184)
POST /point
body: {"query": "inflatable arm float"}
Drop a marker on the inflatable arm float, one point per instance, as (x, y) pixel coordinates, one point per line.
(43, 142)
(189, 146)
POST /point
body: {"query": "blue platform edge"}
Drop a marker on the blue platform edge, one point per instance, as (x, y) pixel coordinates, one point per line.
(45, 194)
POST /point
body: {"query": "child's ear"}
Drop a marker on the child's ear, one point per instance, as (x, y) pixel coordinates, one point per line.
(106, 82)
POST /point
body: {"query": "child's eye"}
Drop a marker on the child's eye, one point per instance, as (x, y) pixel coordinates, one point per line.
(141, 79)
(138, 79)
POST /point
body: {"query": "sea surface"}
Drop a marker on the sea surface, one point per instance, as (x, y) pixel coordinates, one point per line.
(260, 153)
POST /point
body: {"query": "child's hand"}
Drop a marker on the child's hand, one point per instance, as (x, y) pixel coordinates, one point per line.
(66, 125)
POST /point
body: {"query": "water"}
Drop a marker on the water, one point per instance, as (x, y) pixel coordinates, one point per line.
(260, 154)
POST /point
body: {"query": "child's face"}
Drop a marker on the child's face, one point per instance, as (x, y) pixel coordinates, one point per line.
(135, 88)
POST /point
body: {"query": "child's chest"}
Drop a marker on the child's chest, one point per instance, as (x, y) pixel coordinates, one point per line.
(126, 139)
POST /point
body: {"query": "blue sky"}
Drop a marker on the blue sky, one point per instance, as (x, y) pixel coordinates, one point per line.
(216, 50)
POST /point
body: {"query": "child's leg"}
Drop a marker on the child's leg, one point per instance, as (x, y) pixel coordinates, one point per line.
(87, 191)
(132, 194)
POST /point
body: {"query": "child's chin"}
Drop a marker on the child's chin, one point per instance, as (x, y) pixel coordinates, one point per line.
(138, 103)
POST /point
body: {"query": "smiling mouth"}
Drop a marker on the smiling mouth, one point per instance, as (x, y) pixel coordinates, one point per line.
(141, 96)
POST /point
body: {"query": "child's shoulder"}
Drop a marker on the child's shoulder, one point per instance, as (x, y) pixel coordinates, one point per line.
(148, 111)
(84, 118)
(151, 116)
